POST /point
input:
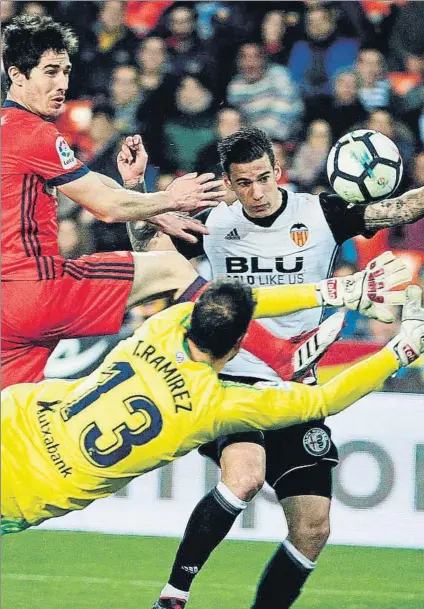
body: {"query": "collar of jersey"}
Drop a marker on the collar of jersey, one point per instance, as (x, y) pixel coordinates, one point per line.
(9, 103)
(185, 322)
(269, 220)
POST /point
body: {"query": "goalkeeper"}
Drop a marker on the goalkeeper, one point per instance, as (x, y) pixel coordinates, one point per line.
(157, 396)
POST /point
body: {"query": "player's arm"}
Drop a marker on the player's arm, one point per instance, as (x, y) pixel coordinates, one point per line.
(274, 407)
(132, 163)
(405, 209)
(45, 152)
(293, 403)
(123, 205)
(366, 291)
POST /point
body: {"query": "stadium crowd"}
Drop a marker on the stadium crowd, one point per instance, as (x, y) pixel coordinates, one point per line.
(187, 74)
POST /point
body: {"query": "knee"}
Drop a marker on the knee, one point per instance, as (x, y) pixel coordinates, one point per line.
(310, 533)
(245, 485)
(243, 469)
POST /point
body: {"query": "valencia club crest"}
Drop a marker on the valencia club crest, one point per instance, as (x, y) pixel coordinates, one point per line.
(299, 233)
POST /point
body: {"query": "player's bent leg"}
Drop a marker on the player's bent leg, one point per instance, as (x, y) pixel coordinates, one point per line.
(159, 273)
(286, 573)
(215, 514)
(243, 469)
(299, 464)
(308, 521)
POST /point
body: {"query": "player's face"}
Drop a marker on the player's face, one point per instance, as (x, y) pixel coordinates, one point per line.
(255, 184)
(44, 91)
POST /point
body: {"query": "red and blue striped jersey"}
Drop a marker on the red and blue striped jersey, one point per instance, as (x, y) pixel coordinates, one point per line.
(35, 160)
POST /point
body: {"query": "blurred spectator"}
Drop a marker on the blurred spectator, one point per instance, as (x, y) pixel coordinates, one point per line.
(228, 121)
(282, 159)
(265, 94)
(316, 60)
(35, 8)
(157, 87)
(8, 10)
(190, 125)
(311, 156)
(344, 108)
(206, 11)
(73, 240)
(105, 140)
(375, 90)
(383, 121)
(411, 236)
(411, 109)
(152, 62)
(115, 44)
(406, 42)
(125, 97)
(187, 53)
(276, 36)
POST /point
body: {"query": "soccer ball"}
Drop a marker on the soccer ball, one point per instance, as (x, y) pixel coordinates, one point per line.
(364, 166)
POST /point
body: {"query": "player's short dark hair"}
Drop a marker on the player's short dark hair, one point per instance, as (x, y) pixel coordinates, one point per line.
(26, 38)
(221, 316)
(243, 146)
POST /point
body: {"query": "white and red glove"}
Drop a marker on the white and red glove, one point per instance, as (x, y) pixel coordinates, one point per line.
(368, 291)
(408, 345)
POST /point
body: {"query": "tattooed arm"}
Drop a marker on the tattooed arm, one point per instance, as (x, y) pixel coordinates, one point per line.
(405, 209)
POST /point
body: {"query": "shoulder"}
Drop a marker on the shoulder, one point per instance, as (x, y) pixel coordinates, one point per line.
(40, 132)
(299, 200)
(223, 212)
(178, 315)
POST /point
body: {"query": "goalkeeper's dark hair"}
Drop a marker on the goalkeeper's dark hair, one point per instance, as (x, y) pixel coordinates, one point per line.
(243, 146)
(221, 317)
(27, 38)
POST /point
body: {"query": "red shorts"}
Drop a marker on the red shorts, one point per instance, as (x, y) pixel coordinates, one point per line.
(88, 299)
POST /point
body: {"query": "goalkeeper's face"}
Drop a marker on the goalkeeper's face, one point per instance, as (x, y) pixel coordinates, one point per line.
(256, 186)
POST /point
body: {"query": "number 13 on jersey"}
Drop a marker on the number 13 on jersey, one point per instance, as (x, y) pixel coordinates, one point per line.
(141, 421)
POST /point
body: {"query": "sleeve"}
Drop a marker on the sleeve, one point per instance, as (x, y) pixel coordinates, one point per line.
(245, 408)
(192, 250)
(344, 221)
(48, 154)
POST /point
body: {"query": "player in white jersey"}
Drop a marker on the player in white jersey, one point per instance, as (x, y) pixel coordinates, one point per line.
(268, 237)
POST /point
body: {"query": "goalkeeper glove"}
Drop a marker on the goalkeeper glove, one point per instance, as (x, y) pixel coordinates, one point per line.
(368, 291)
(409, 343)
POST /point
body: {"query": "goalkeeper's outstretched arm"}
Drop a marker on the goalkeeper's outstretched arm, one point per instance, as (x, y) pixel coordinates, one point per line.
(367, 291)
(292, 403)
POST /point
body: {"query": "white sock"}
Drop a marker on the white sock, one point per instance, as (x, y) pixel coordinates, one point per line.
(298, 556)
(171, 592)
(229, 496)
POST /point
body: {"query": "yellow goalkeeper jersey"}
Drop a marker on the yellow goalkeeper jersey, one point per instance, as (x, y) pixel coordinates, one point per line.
(65, 444)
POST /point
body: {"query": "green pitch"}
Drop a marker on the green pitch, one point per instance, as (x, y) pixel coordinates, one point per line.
(55, 570)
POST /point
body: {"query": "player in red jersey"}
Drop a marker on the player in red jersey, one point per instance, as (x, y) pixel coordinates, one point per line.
(46, 298)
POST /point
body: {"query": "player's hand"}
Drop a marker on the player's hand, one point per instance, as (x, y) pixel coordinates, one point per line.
(408, 345)
(191, 192)
(132, 160)
(177, 225)
(369, 291)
